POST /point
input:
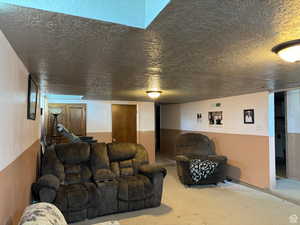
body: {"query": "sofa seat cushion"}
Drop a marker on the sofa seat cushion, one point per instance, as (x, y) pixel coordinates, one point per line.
(134, 188)
(75, 197)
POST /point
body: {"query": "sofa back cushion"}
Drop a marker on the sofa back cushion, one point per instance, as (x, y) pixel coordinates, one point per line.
(51, 165)
(75, 159)
(121, 151)
(100, 163)
(125, 158)
(73, 153)
(99, 156)
(123, 168)
(75, 174)
(194, 144)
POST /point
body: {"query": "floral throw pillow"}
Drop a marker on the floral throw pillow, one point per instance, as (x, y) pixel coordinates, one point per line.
(42, 214)
(202, 169)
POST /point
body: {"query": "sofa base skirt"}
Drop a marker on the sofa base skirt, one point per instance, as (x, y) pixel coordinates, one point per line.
(75, 216)
(124, 206)
(118, 207)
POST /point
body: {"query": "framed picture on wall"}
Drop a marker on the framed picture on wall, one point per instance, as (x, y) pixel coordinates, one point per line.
(215, 118)
(249, 116)
(32, 98)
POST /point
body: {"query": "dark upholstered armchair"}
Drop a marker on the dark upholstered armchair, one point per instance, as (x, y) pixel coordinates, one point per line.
(195, 147)
(89, 180)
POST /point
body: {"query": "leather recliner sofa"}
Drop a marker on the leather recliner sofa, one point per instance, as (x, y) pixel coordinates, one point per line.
(89, 180)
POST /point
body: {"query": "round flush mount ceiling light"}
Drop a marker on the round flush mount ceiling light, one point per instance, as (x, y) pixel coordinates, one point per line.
(288, 51)
(154, 94)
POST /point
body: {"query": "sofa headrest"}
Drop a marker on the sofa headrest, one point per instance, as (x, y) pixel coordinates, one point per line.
(194, 144)
(121, 151)
(99, 156)
(73, 153)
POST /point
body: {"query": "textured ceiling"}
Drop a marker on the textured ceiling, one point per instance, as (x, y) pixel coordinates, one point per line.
(194, 50)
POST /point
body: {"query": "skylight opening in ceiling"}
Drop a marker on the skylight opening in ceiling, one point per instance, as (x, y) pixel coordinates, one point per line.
(64, 97)
(134, 13)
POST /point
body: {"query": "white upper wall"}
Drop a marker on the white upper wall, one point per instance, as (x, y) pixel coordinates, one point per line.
(16, 132)
(293, 111)
(146, 116)
(184, 116)
(99, 114)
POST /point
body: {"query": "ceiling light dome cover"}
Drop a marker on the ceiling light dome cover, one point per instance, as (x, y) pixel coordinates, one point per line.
(154, 94)
(288, 51)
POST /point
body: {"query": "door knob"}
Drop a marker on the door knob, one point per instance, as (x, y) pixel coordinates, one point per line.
(114, 140)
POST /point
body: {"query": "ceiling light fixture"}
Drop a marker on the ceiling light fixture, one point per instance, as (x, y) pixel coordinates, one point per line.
(153, 94)
(288, 51)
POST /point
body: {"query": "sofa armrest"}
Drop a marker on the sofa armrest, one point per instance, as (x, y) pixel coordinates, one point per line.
(49, 181)
(218, 158)
(151, 170)
(183, 169)
(46, 188)
(182, 158)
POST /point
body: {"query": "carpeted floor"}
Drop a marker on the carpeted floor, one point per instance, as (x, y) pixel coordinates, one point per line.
(226, 204)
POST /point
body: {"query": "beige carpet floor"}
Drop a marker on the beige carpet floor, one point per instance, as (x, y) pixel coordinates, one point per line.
(226, 204)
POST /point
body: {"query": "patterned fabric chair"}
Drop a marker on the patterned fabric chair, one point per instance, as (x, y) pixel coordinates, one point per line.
(197, 162)
(42, 214)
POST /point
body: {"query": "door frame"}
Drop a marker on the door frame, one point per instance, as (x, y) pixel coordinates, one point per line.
(137, 117)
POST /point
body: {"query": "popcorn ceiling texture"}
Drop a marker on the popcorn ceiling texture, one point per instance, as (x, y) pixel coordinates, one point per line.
(194, 50)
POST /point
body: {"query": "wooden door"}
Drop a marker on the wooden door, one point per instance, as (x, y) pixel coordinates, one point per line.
(73, 117)
(76, 119)
(124, 123)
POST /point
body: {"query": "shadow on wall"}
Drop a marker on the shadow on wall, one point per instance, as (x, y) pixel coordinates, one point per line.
(233, 172)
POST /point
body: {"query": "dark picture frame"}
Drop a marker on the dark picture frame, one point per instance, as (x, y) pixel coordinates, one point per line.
(249, 117)
(32, 98)
(215, 118)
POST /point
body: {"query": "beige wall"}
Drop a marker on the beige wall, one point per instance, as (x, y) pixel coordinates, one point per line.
(99, 121)
(18, 136)
(15, 185)
(247, 158)
(293, 134)
(293, 156)
(101, 136)
(246, 145)
(147, 139)
(183, 116)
